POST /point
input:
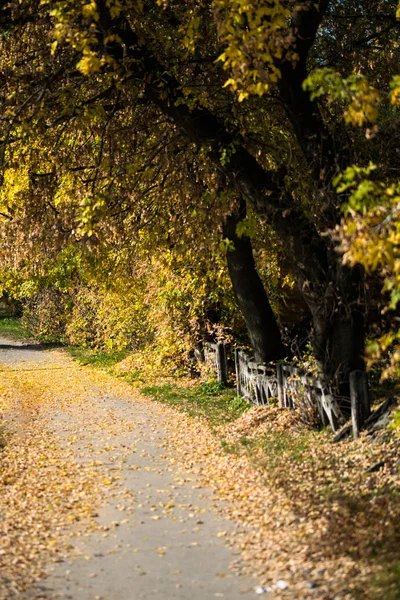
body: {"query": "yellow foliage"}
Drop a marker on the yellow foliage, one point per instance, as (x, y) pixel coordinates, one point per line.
(370, 236)
(89, 63)
(255, 35)
(108, 320)
(115, 7)
(15, 184)
(360, 98)
(395, 91)
(191, 32)
(90, 11)
(363, 107)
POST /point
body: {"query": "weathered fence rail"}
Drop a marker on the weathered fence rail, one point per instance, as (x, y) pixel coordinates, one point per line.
(254, 382)
(293, 381)
(259, 383)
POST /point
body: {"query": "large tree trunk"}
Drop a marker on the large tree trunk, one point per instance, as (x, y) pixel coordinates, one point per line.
(338, 315)
(338, 332)
(252, 299)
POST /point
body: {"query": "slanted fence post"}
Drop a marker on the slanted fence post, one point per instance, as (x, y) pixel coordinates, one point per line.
(360, 404)
(237, 371)
(222, 367)
(279, 378)
(199, 353)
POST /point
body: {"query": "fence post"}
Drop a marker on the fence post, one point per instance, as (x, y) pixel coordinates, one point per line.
(360, 405)
(330, 407)
(199, 353)
(237, 371)
(279, 379)
(222, 368)
(320, 401)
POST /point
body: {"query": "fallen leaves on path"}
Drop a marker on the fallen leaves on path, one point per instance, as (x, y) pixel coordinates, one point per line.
(316, 519)
(46, 494)
(309, 513)
(43, 491)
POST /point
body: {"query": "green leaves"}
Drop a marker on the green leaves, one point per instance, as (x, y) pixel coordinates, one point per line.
(370, 236)
(325, 81)
(248, 227)
(361, 99)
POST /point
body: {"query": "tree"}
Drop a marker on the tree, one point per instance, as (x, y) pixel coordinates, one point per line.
(277, 150)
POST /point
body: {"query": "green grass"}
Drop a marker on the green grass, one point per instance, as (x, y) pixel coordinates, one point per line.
(11, 327)
(395, 424)
(275, 449)
(294, 445)
(95, 358)
(207, 400)
(385, 586)
(210, 401)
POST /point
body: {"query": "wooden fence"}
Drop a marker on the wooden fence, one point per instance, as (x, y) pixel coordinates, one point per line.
(254, 382)
(259, 383)
(293, 381)
(215, 356)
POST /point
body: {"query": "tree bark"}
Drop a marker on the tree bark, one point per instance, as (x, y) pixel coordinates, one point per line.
(338, 336)
(339, 317)
(252, 299)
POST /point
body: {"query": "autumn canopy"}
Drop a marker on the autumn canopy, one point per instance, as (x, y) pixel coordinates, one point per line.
(171, 168)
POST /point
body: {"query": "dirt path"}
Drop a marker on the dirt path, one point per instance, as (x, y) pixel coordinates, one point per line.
(106, 495)
(138, 525)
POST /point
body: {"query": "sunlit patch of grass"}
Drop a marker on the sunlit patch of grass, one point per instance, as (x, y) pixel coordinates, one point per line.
(207, 400)
(11, 327)
(292, 446)
(96, 358)
(271, 438)
(395, 423)
(274, 450)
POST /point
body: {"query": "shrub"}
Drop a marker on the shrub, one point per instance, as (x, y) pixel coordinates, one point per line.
(46, 314)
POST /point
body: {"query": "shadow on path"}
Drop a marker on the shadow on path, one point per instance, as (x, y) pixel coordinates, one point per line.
(37, 347)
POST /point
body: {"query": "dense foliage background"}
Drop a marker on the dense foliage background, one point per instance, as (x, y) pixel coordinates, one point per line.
(183, 171)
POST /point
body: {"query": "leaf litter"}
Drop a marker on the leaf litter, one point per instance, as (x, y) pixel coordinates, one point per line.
(312, 518)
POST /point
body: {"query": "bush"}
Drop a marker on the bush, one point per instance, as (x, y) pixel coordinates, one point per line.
(46, 314)
(107, 320)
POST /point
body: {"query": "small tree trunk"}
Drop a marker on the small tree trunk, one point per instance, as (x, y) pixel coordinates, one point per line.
(252, 299)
